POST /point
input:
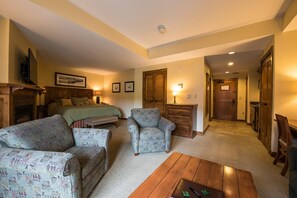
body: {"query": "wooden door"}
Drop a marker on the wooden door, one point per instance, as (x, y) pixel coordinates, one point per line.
(154, 89)
(225, 99)
(266, 100)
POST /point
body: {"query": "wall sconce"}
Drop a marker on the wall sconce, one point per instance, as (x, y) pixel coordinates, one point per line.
(97, 93)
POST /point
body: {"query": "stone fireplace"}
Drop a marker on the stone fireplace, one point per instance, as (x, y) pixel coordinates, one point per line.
(17, 103)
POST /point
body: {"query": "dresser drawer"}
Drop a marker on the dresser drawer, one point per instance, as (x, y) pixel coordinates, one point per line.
(179, 120)
(179, 112)
(182, 129)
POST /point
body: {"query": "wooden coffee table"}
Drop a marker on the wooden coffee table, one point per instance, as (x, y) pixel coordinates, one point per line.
(162, 182)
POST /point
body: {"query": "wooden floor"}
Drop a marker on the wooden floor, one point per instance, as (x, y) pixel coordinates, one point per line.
(162, 182)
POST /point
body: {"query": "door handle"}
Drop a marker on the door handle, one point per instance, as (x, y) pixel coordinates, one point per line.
(233, 101)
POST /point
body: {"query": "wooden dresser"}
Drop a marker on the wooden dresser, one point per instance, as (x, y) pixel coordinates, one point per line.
(183, 117)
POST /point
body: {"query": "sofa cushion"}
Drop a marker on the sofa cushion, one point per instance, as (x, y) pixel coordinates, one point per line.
(88, 157)
(47, 134)
(146, 117)
(151, 134)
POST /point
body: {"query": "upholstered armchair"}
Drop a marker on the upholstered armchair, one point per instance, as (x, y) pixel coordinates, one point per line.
(149, 131)
(292, 155)
(45, 158)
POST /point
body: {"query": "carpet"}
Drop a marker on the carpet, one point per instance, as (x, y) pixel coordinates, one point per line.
(230, 143)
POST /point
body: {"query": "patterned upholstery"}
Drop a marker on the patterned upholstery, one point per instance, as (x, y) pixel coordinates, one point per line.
(149, 131)
(30, 166)
(39, 139)
(292, 153)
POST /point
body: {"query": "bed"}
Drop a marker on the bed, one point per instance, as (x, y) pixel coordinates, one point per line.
(76, 105)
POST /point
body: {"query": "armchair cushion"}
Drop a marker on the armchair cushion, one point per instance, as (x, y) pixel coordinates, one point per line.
(151, 134)
(147, 117)
(35, 135)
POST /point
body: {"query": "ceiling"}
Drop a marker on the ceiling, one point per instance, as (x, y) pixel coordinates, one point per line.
(69, 33)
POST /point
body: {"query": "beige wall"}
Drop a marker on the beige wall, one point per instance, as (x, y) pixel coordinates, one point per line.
(46, 75)
(253, 93)
(189, 72)
(18, 50)
(123, 100)
(241, 98)
(4, 45)
(285, 78)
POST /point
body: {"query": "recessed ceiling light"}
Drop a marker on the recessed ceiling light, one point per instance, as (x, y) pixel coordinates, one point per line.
(230, 63)
(231, 52)
(227, 72)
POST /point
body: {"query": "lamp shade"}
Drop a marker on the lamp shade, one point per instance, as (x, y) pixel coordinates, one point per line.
(97, 93)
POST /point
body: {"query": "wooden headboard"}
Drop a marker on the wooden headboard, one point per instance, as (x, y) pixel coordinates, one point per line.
(54, 93)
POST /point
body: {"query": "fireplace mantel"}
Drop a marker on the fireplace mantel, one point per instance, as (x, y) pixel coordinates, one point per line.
(13, 95)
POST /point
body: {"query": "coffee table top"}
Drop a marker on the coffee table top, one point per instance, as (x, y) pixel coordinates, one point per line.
(162, 182)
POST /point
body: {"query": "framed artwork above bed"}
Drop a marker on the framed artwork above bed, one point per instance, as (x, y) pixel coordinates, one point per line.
(70, 80)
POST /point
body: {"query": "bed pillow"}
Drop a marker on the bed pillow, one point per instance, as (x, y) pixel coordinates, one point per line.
(80, 101)
(65, 102)
(91, 102)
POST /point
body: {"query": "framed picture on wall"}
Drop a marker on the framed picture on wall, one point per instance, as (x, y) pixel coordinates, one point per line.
(129, 86)
(116, 87)
(70, 80)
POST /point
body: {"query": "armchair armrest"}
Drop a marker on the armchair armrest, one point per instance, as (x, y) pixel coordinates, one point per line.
(166, 125)
(42, 170)
(93, 137)
(133, 127)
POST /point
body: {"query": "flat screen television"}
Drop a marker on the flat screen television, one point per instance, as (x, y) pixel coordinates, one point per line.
(29, 69)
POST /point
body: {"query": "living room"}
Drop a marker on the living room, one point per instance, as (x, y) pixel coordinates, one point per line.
(16, 39)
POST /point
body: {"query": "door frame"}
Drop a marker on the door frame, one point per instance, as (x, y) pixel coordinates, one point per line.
(267, 54)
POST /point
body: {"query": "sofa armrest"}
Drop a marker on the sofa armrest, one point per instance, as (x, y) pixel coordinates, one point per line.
(24, 170)
(91, 137)
(87, 137)
(166, 125)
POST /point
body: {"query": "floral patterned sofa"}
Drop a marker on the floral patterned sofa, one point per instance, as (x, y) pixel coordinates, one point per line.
(45, 158)
(149, 131)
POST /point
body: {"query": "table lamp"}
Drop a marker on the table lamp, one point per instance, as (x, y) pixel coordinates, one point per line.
(97, 93)
(174, 97)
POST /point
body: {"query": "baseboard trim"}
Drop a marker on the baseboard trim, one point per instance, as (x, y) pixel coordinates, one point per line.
(204, 131)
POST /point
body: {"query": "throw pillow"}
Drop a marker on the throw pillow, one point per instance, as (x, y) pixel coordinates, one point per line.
(65, 102)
